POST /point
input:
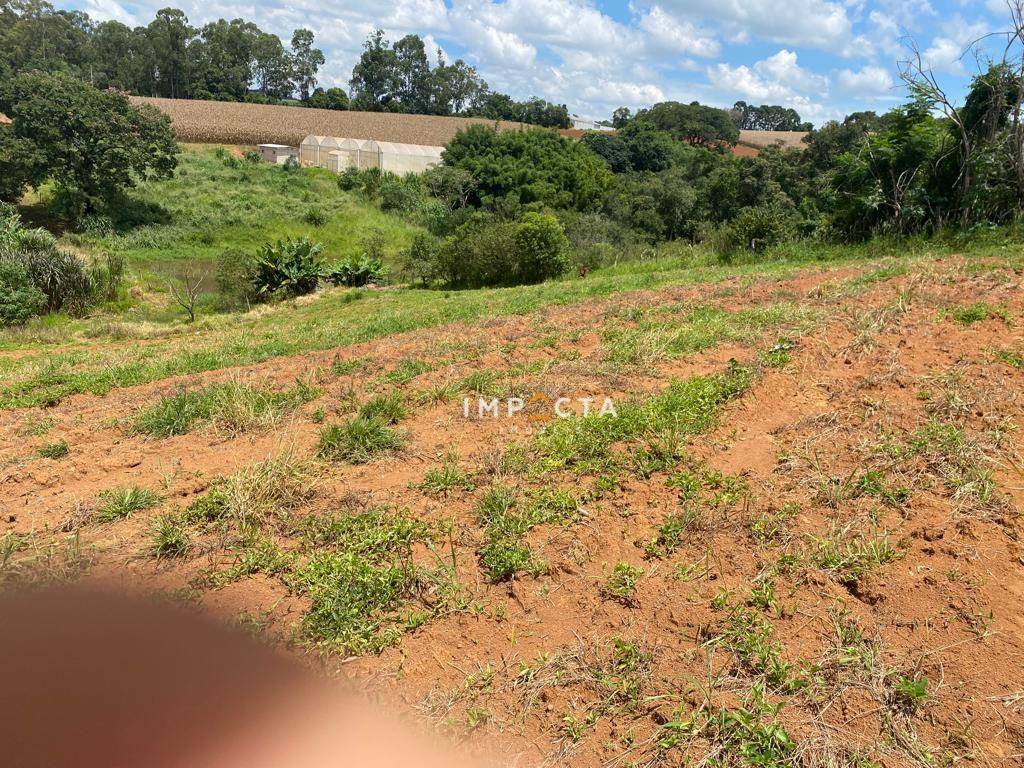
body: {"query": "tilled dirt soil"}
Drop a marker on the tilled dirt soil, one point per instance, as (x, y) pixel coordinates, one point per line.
(845, 583)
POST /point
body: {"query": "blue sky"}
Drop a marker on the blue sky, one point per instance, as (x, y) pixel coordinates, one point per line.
(825, 58)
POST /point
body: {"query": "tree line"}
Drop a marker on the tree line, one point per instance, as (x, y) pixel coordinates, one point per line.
(237, 61)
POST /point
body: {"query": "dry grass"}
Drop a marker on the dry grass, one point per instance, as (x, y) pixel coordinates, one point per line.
(762, 139)
(239, 123)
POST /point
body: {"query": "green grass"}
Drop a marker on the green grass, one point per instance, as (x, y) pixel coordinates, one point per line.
(231, 407)
(686, 407)
(358, 441)
(55, 450)
(361, 576)
(1011, 358)
(387, 409)
(664, 333)
(121, 503)
(170, 538)
(446, 479)
(67, 356)
(210, 206)
(975, 313)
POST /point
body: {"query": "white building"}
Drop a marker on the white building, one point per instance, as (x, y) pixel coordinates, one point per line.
(278, 153)
(586, 124)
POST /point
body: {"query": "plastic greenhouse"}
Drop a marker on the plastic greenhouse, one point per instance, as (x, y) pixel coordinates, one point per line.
(339, 154)
(407, 158)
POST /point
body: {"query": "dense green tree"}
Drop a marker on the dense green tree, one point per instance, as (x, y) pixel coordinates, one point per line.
(693, 123)
(375, 77)
(766, 118)
(331, 98)
(223, 60)
(306, 61)
(272, 67)
(456, 87)
(93, 144)
(169, 34)
(531, 166)
(413, 76)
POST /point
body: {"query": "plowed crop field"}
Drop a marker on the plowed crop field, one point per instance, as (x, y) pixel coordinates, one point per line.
(238, 123)
(797, 542)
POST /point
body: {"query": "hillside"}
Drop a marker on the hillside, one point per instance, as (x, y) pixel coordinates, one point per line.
(240, 123)
(797, 539)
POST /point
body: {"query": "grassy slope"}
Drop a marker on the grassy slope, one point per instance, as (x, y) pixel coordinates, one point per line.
(210, 206)
(97, 355)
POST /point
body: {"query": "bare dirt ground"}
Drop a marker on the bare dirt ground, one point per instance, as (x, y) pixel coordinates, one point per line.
(828, 572)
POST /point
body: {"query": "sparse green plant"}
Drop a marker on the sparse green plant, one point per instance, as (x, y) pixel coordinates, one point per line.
(358, 440)
(120, 503)
(622, 582)
(170, 539)
(909, 694)
(445, 479)
(55, 450)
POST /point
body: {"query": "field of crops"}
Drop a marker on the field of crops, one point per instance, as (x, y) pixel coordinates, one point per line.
(236, 123)
(761, 139)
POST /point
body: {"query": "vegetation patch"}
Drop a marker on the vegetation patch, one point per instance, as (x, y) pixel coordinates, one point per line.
(232, 407)
(358, 441)
(361, 579)
(120, 503)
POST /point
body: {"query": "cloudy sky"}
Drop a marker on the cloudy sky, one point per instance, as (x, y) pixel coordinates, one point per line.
(825, 58)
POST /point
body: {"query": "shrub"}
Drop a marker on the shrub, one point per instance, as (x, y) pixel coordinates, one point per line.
(422, 258)
(287, 268)
(315, 216)
(236, 271)
(349, 179)
(401, 195)
(757, 228)
(20, 300)
(355, 271)
(487, 252)
(107, 276)
(59, 274)
(252, 156)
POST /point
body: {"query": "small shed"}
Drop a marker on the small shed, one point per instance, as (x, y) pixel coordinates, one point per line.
(277, 153)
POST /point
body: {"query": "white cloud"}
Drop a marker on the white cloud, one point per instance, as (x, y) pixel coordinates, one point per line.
(870, 80)
(817, 23)
(777, 78)
(676, 36)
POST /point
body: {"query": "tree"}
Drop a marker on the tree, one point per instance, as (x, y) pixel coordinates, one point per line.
(456, 87)
(170, 34)
(621, 116)
(307, 61)
(375, 77)
(693, 123)
(533, 166)
(332, 98)
(272, 67)
(21, 163)
(186, 287)
(415, 84)
(223, 59)
(94, 144)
